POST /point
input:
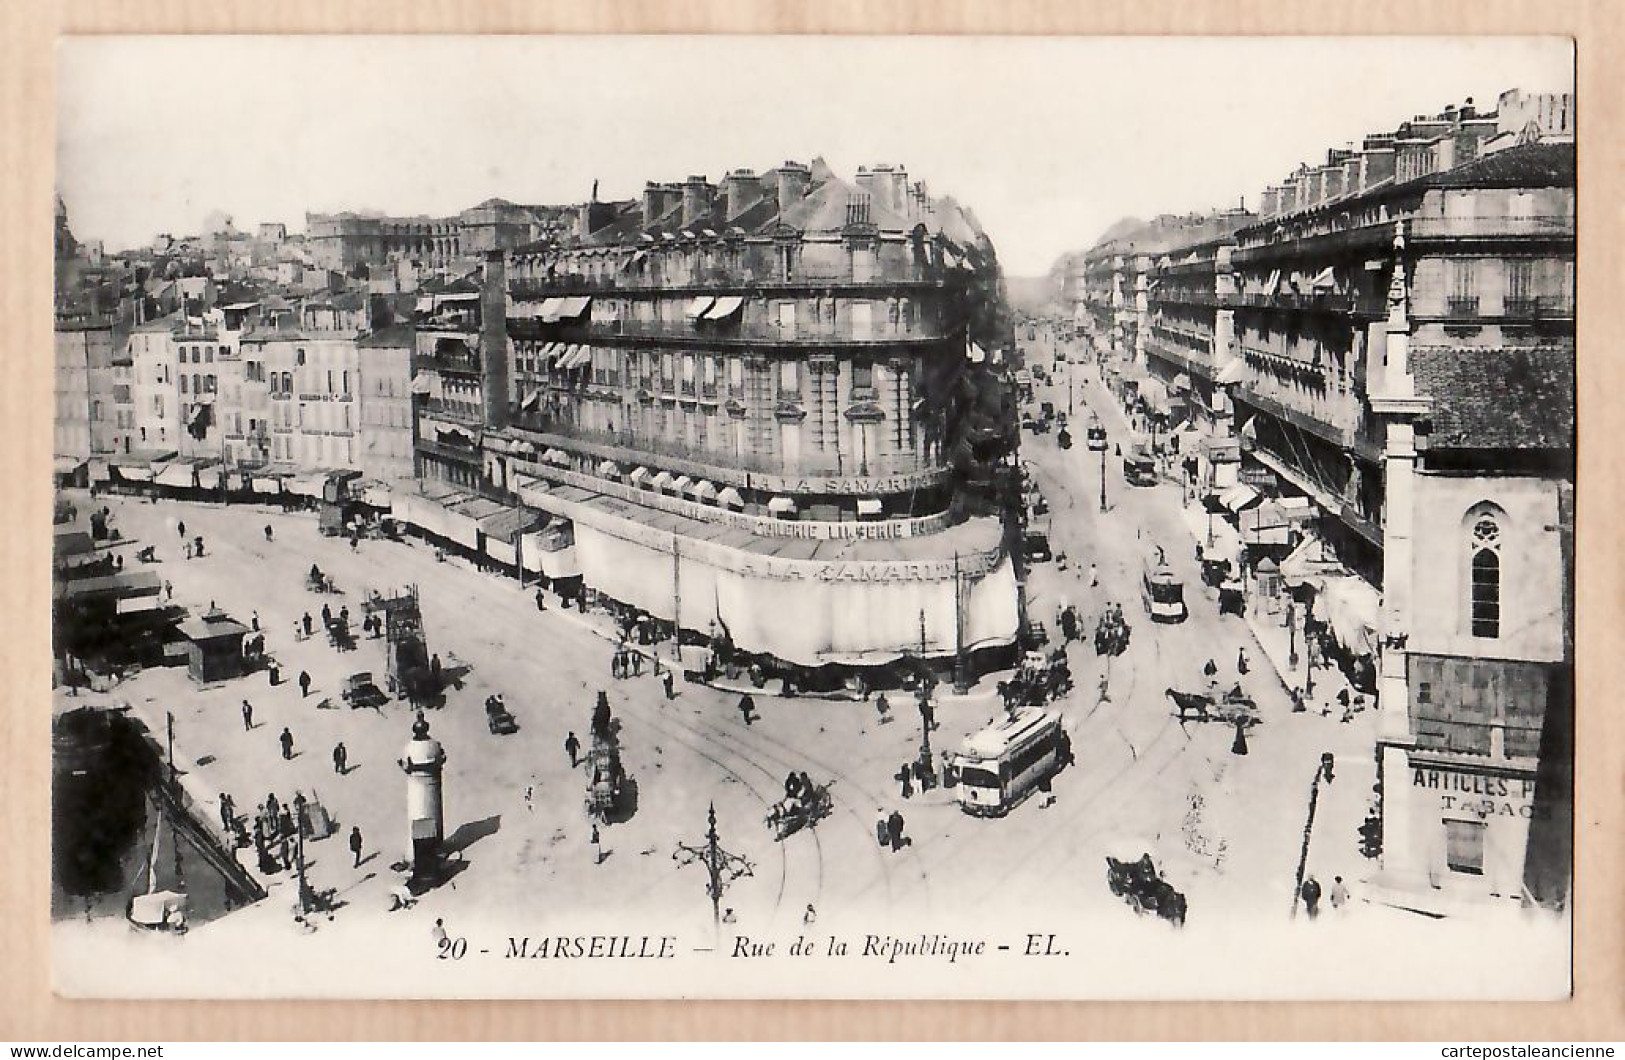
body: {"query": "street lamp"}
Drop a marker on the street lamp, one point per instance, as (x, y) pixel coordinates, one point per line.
(1103, 480)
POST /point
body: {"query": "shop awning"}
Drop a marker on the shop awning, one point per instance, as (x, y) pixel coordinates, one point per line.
(682, 486)
(421, 384)
(307, 485)
(662, 481)
(609, 469)
(1296, 509)
(781, 505)
(377, 495)
(729, 497)
(208, 478)
(639, 477)
(425, 304)
(1180, 383)
(549, 311)
(557, 457)
(1324, 280)
(532, 400)
(570, 308)
(267, 484)
(705, 490)
(67, 465)
(974, 353)
(577, 356)
(698, 307)
(868, 505)
(178, 475)
(1349, 607)
(135, 474)
(724, 308)
(1239, 497)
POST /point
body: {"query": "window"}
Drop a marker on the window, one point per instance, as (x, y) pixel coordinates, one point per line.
(208, 384)
(1520, 293)
(1464, 846)
(299, 358)
(787, 263)
(789, 379)
(183, 384)
(1485, 601)
(736, 374)
(330, 380)
(787, 317)
(863, 375)
(208, 354)
(862, 314)
(1463, 291)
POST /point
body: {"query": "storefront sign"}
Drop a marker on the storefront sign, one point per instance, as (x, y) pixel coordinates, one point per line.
(1486, 794)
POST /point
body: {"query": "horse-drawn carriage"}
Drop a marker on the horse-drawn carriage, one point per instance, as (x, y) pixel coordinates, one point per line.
(497, 717)
(605, 777)
(803, 806)
(340, 635)
(1112, 633)
(1231, 707)
(1039, 679)
(1143, 887)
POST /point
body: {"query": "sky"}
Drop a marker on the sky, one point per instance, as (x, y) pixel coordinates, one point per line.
(1048, 140)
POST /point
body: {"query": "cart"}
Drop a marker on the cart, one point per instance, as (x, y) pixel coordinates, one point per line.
(605, 778)
(1143, 887)
(361, 691)
(1232, 707)
(804, 809)
(497, 718)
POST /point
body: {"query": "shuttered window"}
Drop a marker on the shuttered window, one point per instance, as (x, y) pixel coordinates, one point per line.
(1464, 846)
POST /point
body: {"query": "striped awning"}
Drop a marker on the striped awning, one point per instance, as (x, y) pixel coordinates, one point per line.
(639, 477)
(1239, 497)
(729, 497)
(698, 307)
(724, 308)
(705, 490)
(682, 486)
(662, 481)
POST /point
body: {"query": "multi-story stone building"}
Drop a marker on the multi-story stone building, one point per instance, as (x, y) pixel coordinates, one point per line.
(1394, 337)
(384, 361)
(157, 410)
(746, 402)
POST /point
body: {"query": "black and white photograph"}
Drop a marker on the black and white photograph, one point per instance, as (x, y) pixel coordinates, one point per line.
(813, 517)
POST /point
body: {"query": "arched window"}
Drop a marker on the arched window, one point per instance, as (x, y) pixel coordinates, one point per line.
(1485, 601)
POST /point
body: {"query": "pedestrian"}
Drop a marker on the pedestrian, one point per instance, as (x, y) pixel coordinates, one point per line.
(180, 528)
(1241, 660)
(301, 814)
(188, 550)
(267, 531)
(615, 661)
(882, 708)
(1210, 670)
(226, 816)
(541, 600)
(747, 708)
(259, 833)
(1239, 746)
(637, 663)
(355, 845)
(310, 626)
(254, 621)
(327, 615)
(881, 836)
(572, 747)
(271, 807)
(169, 592)
(905, 777)
(340, 758)
(248, 716)
(287, 743)
(894, 831)
(304, 683)
(1311, 897)
(438, 932)
(434, 669)
(810, 917)
(199, 542)
(669, 682)
(286, 853)
(284, 819)
(1340, 894)
(597, 847)
(1297, 701)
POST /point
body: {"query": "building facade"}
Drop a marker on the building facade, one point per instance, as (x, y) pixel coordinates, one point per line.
(737, 403)
(384, 362)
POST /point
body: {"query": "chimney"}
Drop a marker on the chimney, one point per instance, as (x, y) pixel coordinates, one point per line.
(898, 190)
(868, 182)
(494, 379)
(658, 199)
(697, 194)
(793, 180)
(740, 191)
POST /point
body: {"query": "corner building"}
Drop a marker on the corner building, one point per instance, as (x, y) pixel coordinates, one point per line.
(737, 404)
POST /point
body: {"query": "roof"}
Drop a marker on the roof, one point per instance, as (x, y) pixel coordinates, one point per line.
(390, 337)
(1537, 165)
(1494, 397)
(212, 626)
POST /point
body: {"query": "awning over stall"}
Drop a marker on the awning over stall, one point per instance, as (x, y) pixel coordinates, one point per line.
(705, 491)
(682, 485)
(640, 477)
(662, 481)
(729, 497)
(1239, 497)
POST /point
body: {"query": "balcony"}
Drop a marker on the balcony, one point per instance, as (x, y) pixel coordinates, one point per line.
(1366, 237)
(1462, 306)
(1545, 226)
(1371, 306)
(729, 334)
(725, 280)
(1539, 307)
(718, 464)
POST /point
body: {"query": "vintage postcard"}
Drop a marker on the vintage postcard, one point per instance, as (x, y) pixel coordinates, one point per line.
(794, 517)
